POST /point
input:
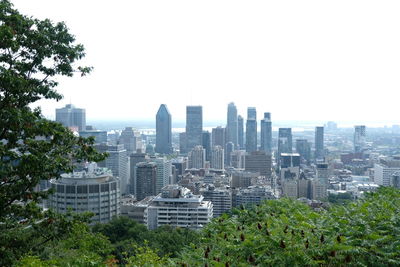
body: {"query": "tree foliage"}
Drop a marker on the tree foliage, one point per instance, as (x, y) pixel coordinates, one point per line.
(32, 54)
(288, 233)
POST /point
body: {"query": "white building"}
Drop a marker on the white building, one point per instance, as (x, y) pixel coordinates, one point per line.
(178, 207)
(217, 158)
(384, 170)
(95, 190)
(197, 158)
(164, 173)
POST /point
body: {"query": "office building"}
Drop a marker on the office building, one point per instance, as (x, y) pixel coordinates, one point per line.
(146, 179)
(359, 138)
(303, 147)
(163, 131)
(240, 132)
(197, 158)
(131, 139)
(251, 130)
(93, 190)
(182, 143)
(100, 137)
(259, 161)
(290, 160)
(323, 173)
(319, 143)
(72, 117)
(164, 173)
(218, 136)
(238, 159)
(266, 133)
(232, 125)
(134, 159)
(385, 169)
(217, 158)
(194, 126)
(243, 178)
(206, 143)
(117, 162)
(229, 148)
(284, 141)
(178, 207)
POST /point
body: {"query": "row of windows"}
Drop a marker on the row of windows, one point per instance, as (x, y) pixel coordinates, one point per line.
(83, 189)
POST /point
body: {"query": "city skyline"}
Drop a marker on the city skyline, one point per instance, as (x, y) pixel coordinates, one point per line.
(338, 58)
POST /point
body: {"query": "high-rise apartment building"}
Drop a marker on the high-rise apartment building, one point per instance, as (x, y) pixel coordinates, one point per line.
(197, 158)
(360, 134)
(217, 158)
(163, 131)
(319, 143)
(178, 207)
(266, 133)
(241, 132)
(238, 159)
(164, 173)
(232, 125)
(218, 136)
(221, 198)
(72, 117)
(194, 126)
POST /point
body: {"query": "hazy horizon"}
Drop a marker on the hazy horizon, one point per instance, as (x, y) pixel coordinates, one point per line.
(296, 59)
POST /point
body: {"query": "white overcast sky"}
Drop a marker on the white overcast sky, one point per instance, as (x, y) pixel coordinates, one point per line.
(300, 60)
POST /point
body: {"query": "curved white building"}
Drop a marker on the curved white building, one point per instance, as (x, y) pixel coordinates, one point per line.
(95, 190)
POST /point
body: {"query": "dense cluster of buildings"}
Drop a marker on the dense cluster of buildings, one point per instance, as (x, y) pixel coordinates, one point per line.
(187, 180)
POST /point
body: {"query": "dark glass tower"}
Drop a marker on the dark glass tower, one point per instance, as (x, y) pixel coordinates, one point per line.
(163, 131)
(284, 141)
(194, 126)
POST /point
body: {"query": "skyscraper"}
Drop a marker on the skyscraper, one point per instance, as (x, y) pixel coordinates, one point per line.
(194, 126)
(284, 141)
(266, 133)
(303, 147)
(319, 143)
(229, 148)
(146, 179)
(240, 132)
(72, 117)
(182, 143)
(232, 125)
(163, 131)
(197, 158)
(131, 139)
(251, 130)
(359, 138)
(117, 162)
(259, 161)
(217, 158)
(218, 136)
(206, 143)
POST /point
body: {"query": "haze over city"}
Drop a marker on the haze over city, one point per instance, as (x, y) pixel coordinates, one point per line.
(299, 60)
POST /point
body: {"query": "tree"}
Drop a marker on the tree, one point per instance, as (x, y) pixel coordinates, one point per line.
(32, 54)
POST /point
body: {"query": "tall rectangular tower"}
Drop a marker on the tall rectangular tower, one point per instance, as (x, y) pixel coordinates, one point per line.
(251, 130)
(194, 126)
(232, 125)
(319, 143)
(70, 116)
(266, 133)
